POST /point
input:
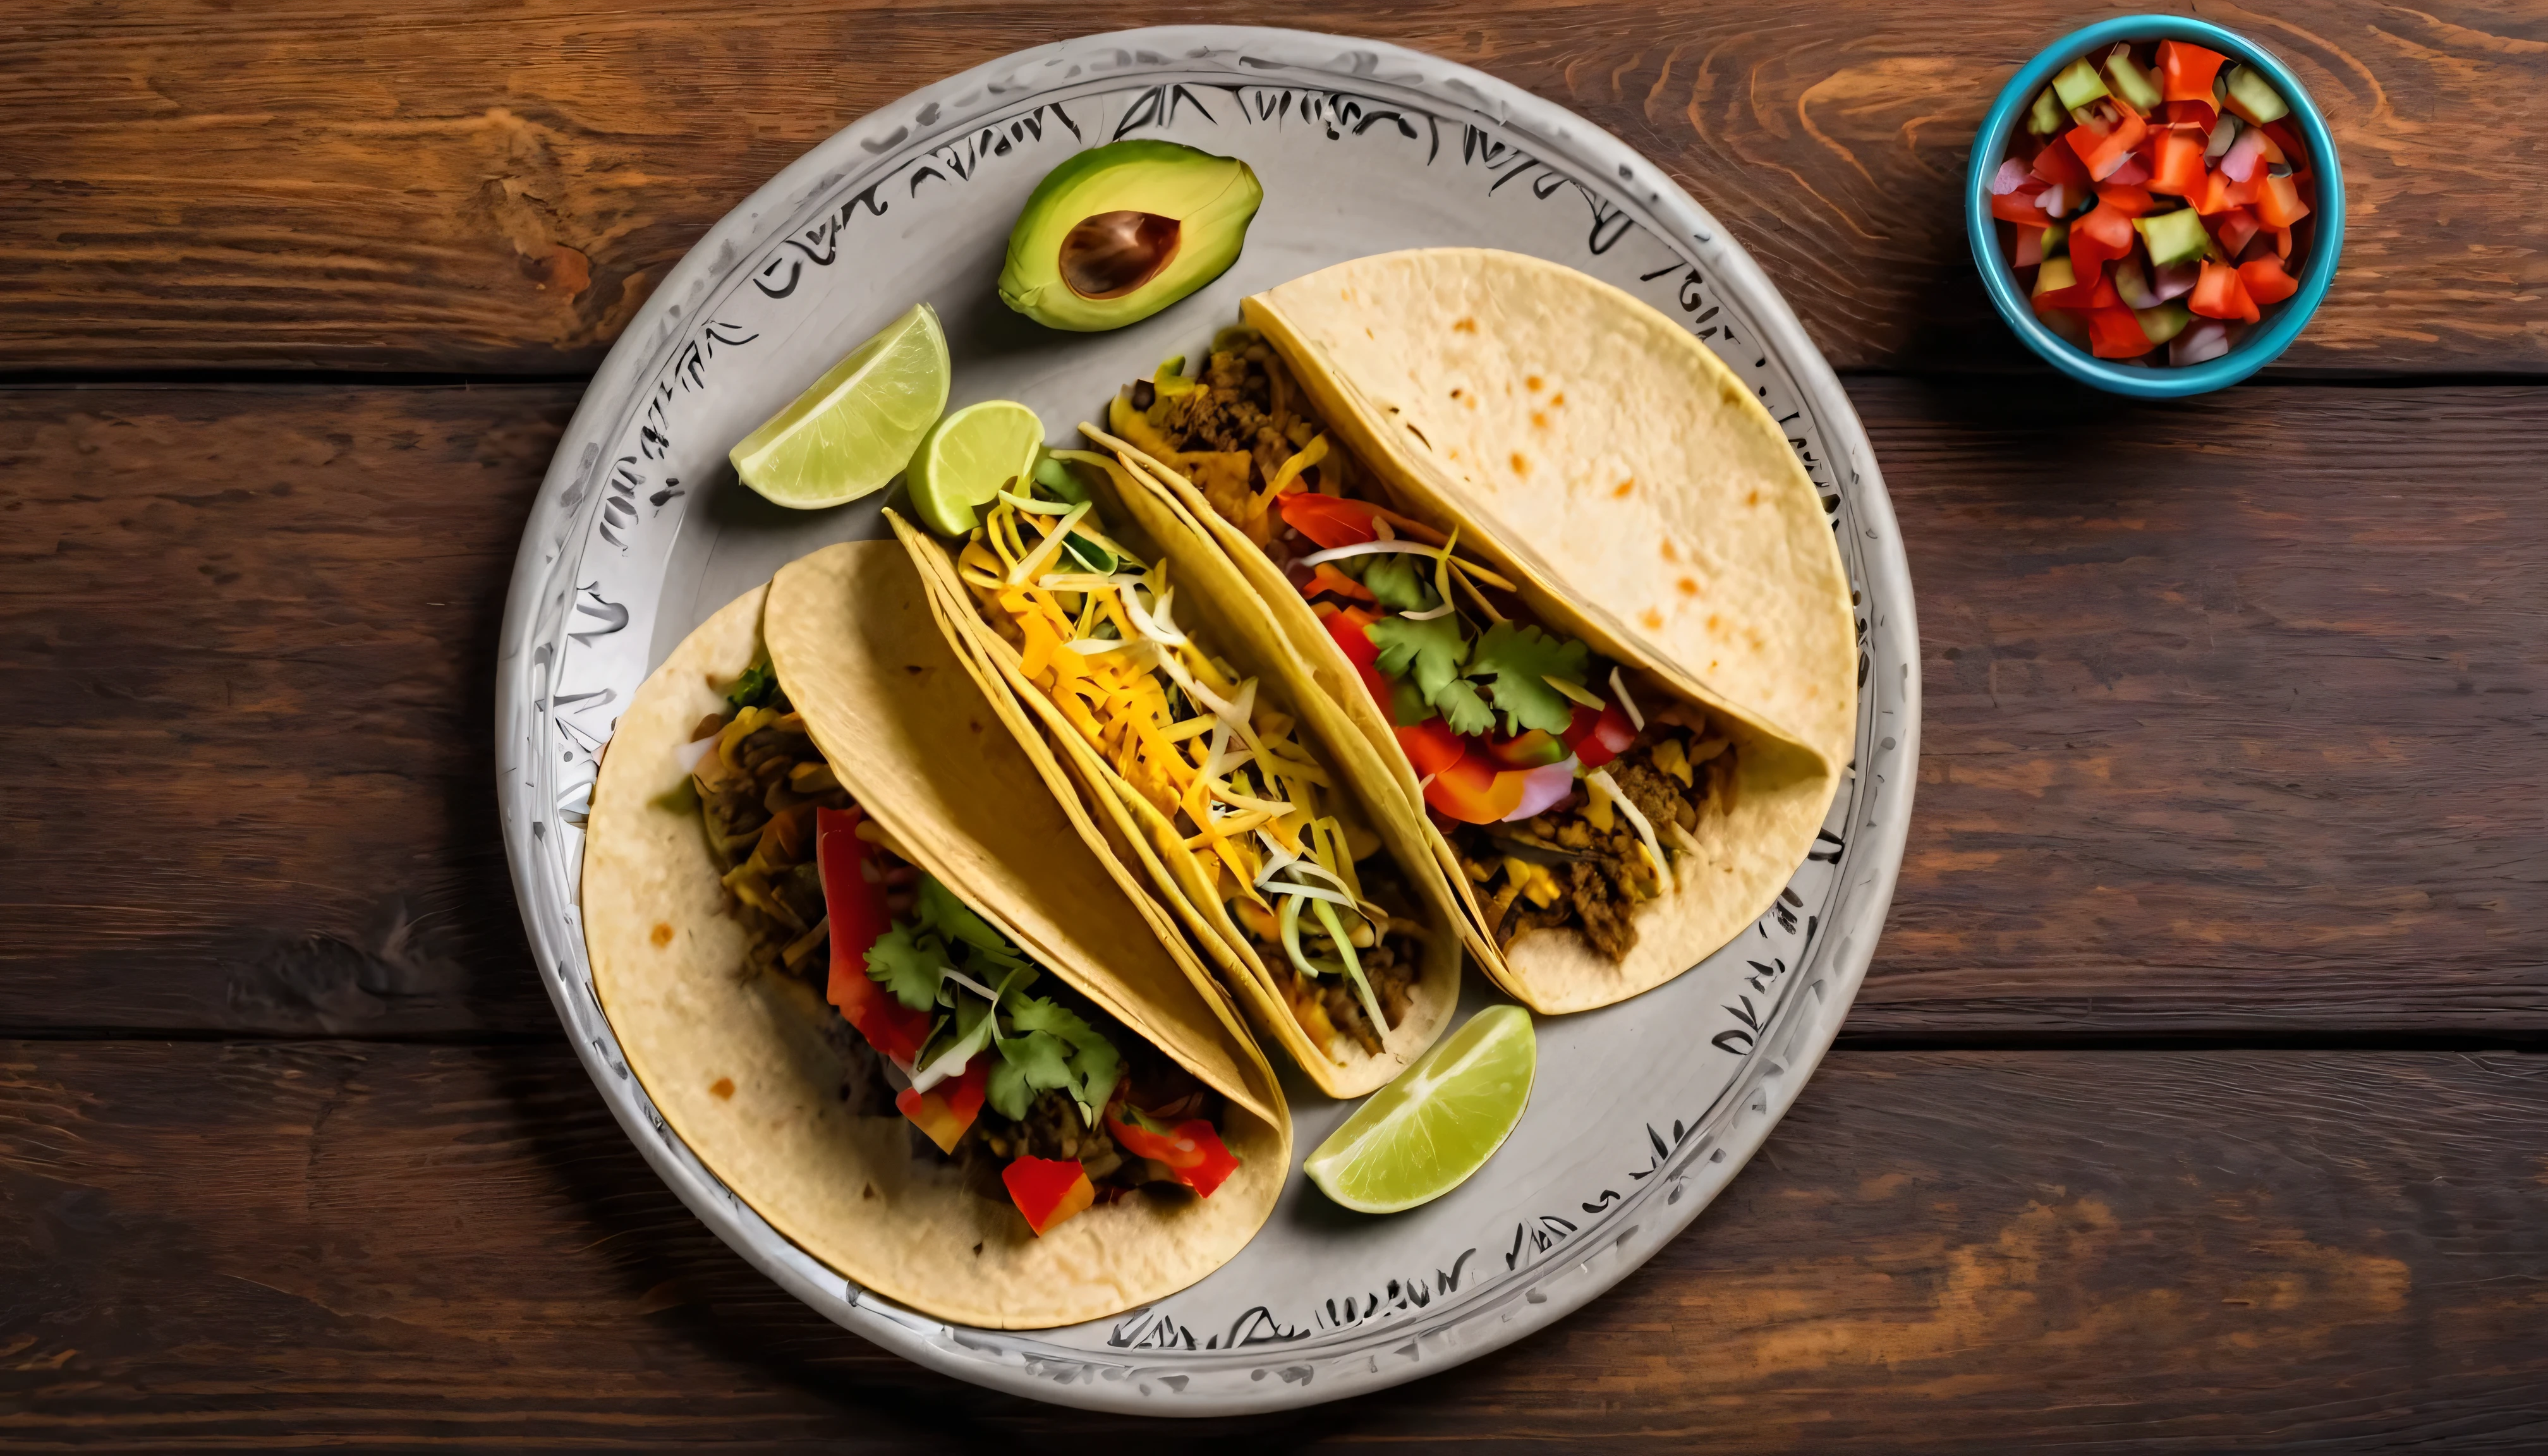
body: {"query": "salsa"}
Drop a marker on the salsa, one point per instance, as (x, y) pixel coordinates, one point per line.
(2152, 199)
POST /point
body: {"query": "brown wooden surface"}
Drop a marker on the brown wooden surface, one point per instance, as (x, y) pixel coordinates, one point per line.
(2160, 1124)
(444, 185)
(457, 1245)
(2208, 747)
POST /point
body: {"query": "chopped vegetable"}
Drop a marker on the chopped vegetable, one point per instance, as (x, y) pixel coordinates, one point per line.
(2130, 82)
(2205, 341)
(2185, 71)
(2172, 237)
(1192, 1152)
(2115, 334)
(1473, 791)
(2252, 100)
(2077, 85)
(2220, 294)
(2164, 322)
(2265, 281)
(1047, 1189)
(2046, 116)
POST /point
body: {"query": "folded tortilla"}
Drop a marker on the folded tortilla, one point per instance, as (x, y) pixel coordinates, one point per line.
(1593, 451)
(749, 1069)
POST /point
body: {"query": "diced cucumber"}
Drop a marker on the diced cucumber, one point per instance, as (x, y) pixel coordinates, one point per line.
(2053, 276)
(2045, 116)
(2163, 322)
(2132, 82)
(2078, 84)
(2251, 99)
(2174, 237)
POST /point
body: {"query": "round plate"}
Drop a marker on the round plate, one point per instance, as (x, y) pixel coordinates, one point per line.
(1642, 1110)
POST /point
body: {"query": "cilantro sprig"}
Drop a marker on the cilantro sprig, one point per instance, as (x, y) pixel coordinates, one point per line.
(1436, 668)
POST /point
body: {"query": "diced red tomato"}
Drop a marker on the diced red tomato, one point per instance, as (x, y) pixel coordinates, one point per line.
(2233, 228)
(945, 1111)
(2245, 194)
(2213, 197)
(2020, 208)
(854, 907)
(1598, 738)
(2061, 165)
(1431, 746)
(1047, 1189)
(2219, 294)
(2102, 156)
(1192, 1152)
(2287, 137)
(2265, 281)
(2278, 202)
(2282, 242)
(2115, 334)
(2190, 113)
(2030, 247)
(1330, 520)
(2129, 199)
(2186, 71)
(2103, 235)
(2178, 170)
(1474, 792)
(1536, 749)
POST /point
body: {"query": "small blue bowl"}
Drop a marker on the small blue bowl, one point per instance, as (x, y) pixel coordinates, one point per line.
(2163, 382)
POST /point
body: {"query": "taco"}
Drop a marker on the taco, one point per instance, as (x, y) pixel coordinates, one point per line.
(1562, 570)
(855, 952)
(1248, 800)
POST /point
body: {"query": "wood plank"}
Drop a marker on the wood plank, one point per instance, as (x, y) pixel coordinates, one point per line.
(2231, 714)
(259, 1244)
(437, 185)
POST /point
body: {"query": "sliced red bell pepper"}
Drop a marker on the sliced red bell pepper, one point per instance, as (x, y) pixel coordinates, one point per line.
(2233, 228)
(2282, 242)
(2213, 196)
(945, 1111)
(1431, 746)
(2178, 170)
(2219, 294)
(2200, 115)
(853, 904)
(2116, 333)
(1471, 791)
(2131, 199)
(1330, 520)
(1047, 1189)
(1192, 1152)
(1598, 738)
(2059, 163)
(1347, 628)
(2243, 194)
(2278, 202)
(2265, 281)
(2186, 71)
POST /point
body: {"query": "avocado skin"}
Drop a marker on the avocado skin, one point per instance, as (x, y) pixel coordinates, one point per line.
(1213, 198)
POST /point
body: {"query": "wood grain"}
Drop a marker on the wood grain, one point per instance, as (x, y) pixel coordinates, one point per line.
(445, 186)
(258, 1245)
(2232, 713)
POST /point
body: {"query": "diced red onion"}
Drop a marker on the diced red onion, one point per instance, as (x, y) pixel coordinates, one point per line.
(2011, 173)
(2051, 200)
(2240, 163)
(2206, 340)
(2132, 173)
(1542, 789)
(2132, 285)
(2176, 280)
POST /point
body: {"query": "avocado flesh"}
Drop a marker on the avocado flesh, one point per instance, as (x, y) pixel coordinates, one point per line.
(1210, 199)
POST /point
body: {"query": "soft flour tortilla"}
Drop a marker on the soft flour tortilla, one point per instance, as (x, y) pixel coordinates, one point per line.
(749, 1069)
(1430, 363)
(1215, 604)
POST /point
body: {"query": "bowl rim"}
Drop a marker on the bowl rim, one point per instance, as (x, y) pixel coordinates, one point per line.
(1990, 145)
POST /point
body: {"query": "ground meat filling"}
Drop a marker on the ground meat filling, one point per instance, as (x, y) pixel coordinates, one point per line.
(1584, 869)
(1237, 428)
(1327, 1005)
(756, 800)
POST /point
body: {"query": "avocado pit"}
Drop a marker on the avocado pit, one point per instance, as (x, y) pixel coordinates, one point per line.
(1111, 254)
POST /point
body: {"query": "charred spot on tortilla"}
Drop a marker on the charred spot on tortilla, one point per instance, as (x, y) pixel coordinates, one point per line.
(662, 934)
(722, 1088)
(1519, 465)
(1465, 326)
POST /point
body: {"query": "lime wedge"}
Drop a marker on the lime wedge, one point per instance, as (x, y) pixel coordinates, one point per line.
(968, 458)
(1424, 1133)
(857, 427)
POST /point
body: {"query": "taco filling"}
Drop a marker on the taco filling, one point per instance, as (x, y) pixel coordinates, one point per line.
(1041, 1099)
(1565, 803)
(1096, 631)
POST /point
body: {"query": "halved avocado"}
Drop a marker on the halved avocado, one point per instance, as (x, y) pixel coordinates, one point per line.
(1117, 233)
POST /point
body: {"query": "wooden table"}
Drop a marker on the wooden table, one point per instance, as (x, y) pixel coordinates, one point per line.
(2194, 1098)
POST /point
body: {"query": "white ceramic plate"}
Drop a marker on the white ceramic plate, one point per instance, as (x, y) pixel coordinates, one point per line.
(1643, 1110)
